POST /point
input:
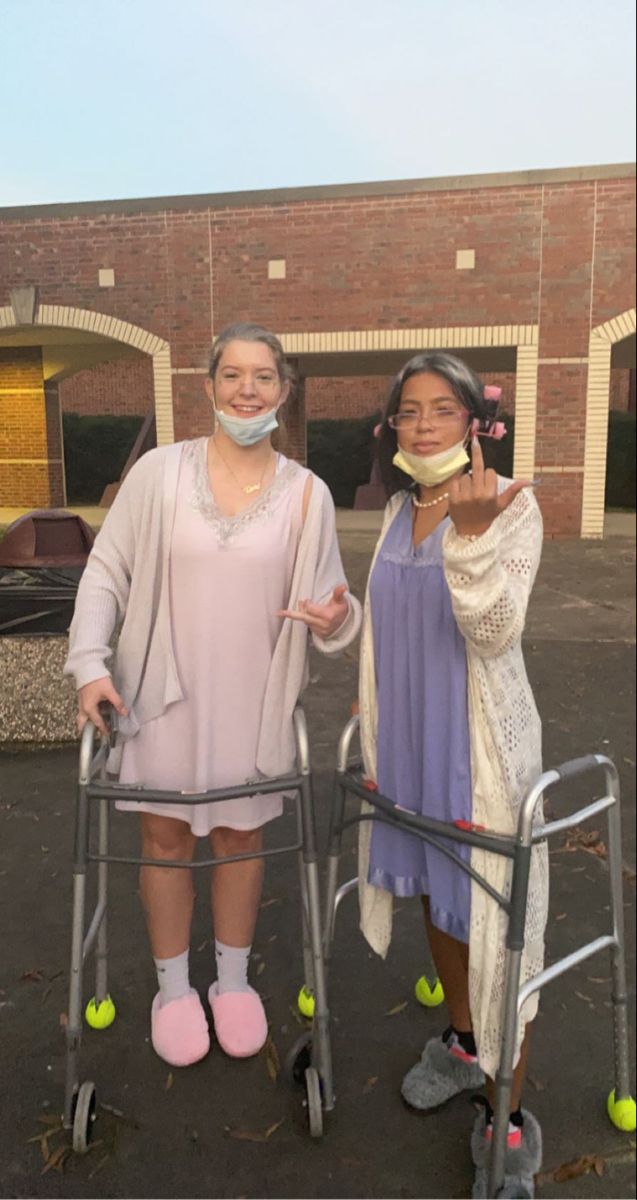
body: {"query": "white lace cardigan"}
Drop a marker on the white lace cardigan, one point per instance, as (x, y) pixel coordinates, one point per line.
(490, 580)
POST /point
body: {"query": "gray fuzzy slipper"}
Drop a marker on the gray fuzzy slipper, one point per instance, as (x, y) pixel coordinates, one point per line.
(520, 1165)
(439, 1076)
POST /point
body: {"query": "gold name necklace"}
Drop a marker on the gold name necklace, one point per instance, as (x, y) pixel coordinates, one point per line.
(248, 488)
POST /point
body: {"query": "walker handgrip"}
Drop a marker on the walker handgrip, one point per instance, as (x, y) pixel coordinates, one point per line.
(577, 766)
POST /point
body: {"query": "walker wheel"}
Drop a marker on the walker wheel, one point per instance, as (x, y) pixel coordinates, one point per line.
(100, 1016)
(299, 1058)
(314, 1102)
(306, 1002)
(84, 1117)
(621, 1112)
(427, 994)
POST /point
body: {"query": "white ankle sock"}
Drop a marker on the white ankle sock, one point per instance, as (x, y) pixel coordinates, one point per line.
(232, 968)
(172, 977)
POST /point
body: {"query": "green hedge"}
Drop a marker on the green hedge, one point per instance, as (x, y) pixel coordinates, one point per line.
(620, 475)
(340, 452)
(95, 450)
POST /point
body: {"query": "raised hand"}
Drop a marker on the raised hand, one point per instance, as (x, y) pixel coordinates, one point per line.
(89, 699)
(474, 502)
(321, 619)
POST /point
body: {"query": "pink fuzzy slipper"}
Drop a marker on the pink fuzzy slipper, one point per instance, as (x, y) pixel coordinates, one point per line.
(179, 1030)
(240, 1021)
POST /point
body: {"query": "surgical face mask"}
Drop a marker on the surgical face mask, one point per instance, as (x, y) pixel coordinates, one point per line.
(433, 469)
(249, 430)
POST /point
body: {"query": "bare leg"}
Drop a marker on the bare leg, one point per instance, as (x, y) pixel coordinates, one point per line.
(518, 1075)
(235, 889)
(452, 964)
(167, 893)
(451, 958)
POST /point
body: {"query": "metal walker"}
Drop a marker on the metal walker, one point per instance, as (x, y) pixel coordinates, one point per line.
(312, 1054)
(349, 780)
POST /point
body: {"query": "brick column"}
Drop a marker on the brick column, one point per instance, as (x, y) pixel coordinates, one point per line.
(561, 433)
(30, 450)
(295, 424)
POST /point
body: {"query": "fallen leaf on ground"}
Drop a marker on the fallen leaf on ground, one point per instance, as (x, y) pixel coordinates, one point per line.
(397, 1008)
(272, 1060)
(56, 1160)
(579, 1166)
(103, 1160)
(583, 997)
(370, 1083)
(268, 903)
(247, 1135)
(50, 1119)
(560, 916)
(34, 975)
(598, 979)
(119, 1115)
(169, 1081)
(63, 1020)
(261, 968)
(201, 947)
(537, 1084)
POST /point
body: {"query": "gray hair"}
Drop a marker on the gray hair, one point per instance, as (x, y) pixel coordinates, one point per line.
(248, 331)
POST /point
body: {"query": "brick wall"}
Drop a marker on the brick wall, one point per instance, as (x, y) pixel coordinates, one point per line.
(559, 253)
(123, 388)
(362, 395)
(26, 475)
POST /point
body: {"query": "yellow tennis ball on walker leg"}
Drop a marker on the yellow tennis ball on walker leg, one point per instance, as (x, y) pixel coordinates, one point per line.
(306, 1002)
(622, 1113)
(100, 1016)
(427, 994)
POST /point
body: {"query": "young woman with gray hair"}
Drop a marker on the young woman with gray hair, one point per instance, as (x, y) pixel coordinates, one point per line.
(216, 559)
(449, 727)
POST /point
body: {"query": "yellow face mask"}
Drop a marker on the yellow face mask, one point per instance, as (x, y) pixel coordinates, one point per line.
(434, 468)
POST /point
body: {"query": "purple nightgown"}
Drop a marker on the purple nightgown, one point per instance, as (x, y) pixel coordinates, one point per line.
(423, 732)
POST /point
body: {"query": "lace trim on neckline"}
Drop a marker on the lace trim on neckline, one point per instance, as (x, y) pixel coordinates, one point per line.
(203, 501)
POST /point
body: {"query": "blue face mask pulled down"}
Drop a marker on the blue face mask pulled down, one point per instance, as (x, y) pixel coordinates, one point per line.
(249, 430)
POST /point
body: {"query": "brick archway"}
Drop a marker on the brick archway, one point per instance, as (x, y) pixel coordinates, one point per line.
(65, 317)
(40, 480)
(602, 340)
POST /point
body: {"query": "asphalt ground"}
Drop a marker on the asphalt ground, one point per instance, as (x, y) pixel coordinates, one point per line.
(228, 1128)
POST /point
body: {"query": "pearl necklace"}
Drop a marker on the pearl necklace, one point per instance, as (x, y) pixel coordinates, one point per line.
(429, 503)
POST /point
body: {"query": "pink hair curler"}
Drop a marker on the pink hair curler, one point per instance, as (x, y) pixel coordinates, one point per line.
(496, 429)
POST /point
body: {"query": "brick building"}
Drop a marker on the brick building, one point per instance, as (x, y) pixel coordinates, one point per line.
(111, 306)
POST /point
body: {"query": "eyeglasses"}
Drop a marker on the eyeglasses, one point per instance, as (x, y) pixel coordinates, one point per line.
(409, 420)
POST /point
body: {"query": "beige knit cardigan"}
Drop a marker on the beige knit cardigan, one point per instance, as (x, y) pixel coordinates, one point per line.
(490, 581)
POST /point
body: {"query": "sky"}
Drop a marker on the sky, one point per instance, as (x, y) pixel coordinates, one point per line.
(106, 99)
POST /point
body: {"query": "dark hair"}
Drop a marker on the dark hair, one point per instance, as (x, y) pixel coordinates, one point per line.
(467, 387)
(249, 331)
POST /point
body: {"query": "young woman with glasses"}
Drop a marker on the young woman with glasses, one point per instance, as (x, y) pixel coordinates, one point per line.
(449, 727)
